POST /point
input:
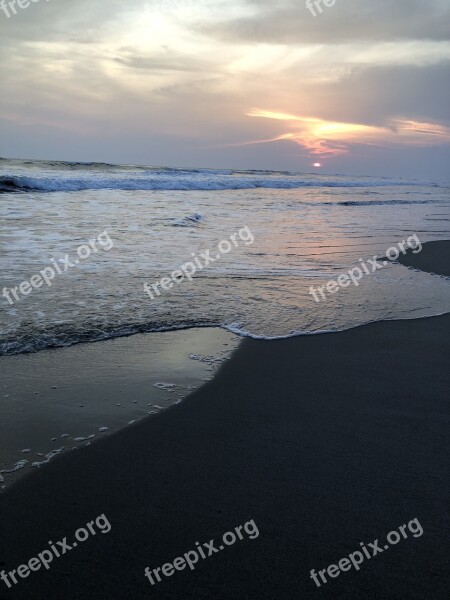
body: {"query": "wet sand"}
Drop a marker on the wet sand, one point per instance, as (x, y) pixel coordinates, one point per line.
(58, 399)
(324, 441)
(432, 258)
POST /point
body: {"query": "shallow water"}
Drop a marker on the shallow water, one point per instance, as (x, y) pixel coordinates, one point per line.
(58, 400)
(307, 229)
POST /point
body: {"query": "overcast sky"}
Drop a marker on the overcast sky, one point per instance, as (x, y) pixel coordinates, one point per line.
(361, 88)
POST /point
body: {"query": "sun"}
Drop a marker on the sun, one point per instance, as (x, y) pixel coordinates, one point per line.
(317, 165)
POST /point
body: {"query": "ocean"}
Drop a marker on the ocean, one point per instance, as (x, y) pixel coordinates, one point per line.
(82, 241)
(307, 229)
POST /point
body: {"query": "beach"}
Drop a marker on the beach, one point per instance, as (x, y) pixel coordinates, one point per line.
(56, 401)
(224, 300)
(324, 441)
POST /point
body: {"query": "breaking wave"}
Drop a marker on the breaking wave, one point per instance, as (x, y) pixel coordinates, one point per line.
(184, 181)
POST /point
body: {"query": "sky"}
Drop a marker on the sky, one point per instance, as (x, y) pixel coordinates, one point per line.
(362, 87)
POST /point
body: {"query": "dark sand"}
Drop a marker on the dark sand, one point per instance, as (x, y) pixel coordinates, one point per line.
(325, 441)
(432, 259)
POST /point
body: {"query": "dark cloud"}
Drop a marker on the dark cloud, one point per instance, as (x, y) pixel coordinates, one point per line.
(373, 94)
(419, 92)
(166, 61)
(347, 21)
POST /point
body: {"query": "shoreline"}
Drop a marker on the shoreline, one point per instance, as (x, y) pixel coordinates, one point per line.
(57, 400)
(430, 260)
(325, 441)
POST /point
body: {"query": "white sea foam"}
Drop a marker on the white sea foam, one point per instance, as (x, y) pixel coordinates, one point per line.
(167, 387)
(84, 439)
(48, 457)
(21, 464)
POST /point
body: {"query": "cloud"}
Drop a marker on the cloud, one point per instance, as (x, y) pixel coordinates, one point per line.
(327, 139)
(364, 93)
(373, 94)
(175, 81)
(161, 61)
(290, 22)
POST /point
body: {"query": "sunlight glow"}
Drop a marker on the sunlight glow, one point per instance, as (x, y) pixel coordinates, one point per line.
(330, 138)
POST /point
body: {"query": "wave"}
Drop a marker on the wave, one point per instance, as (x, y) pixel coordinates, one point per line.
(61, 336)
(377, 202)
(184, 181)
(102, 166)
(189, 221)
(62, 164)
(30, 344)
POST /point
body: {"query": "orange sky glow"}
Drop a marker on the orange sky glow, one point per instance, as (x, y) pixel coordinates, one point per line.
(329, 138)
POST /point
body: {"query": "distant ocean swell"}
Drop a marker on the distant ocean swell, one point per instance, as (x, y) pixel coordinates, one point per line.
(186, 180)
